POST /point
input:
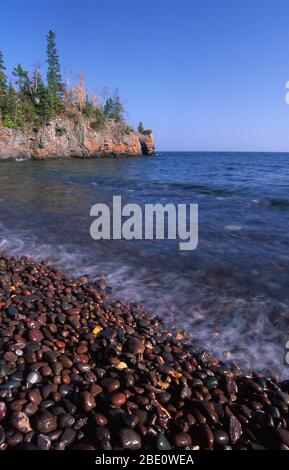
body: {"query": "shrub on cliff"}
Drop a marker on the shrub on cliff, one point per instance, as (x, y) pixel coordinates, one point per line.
(142, 130)
(99, 121)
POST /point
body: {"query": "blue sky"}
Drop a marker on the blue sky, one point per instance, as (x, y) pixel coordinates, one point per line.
(203, 74)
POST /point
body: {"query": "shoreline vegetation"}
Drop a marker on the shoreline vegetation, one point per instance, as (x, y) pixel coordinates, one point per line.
(81, 371)
(26, 98)
(42, 118)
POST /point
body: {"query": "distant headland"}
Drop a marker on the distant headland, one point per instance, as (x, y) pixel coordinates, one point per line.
(53, 118)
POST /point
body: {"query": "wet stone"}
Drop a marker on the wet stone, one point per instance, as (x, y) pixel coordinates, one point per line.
(274, 412)
(283, 396)
(34, 378)
(3, 410)
(35, 396)
(65, 390)
(12, 312)
(14, 439)
(4, 371)
(135, 346)
(186, 393)
(221, 437)
(68, 436)
(35, 335)
(30, 409)
(43, 442)
(88, 401)
(110, 385)
(207, 436)
(100, 419)
(80, 371)
(118, 399)
(46, 422)
(50, 357)
(102, 433)
(20, 421)
(183, 439)
(55, 435)
(130, 420)
(66, 362)
(10, 385)
(211, 382)
(235, 429)
(129, 439)
(163, 443)
(10, 357)
(66, 421)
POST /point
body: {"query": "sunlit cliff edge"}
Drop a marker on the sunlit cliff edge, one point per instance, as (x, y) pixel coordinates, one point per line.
(66, 138)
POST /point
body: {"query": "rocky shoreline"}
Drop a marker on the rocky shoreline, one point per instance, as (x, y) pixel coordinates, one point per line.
(79, 371)
(67, 138)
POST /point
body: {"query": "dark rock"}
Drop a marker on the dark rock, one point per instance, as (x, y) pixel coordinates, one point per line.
(46, 422)
(163, 443)
(129, 439)
(183, 439)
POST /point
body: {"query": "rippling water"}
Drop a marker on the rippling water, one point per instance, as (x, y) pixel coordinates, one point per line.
(231, 294)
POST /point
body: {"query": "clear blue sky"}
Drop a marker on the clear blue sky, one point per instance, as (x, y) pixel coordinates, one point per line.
(203, 74)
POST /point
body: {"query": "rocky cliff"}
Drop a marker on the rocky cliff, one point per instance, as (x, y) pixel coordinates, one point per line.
(68, 137)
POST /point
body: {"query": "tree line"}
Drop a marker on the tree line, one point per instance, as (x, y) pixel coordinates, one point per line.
(28, 98)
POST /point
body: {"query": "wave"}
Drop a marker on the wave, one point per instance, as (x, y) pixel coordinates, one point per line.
(251, 332)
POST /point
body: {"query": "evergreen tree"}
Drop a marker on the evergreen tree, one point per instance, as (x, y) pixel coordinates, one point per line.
(108, 107)
(22, 80)
(141, 128)
(114, 109)
(54, 80)
(30, 100)
(41, 98)
(26, 109)
(11, 115)
(3, 85)
(3, 76)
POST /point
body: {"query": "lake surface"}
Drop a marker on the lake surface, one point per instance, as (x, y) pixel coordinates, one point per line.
(231, 294)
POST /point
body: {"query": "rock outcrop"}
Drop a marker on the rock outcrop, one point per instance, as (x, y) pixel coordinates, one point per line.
(76, 137)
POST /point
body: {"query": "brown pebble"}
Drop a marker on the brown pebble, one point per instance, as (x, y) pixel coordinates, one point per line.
(46, 422)
(182, 439)
(118, 399)
(20, 421)
(135, 345)
(35, 335)
(88, 401)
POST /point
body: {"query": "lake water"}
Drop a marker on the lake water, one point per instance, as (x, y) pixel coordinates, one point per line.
(231, 294)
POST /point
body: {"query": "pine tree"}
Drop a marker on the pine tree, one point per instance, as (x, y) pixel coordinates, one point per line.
(26, 108)
(41, 98)
(3, 76)
(11, 115)
(54, 79)
(141, 128)
(114, 109)
(108, 107)
(22, 80)
(3, 85)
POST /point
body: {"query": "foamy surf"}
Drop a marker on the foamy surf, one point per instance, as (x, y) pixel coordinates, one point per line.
(251, 332)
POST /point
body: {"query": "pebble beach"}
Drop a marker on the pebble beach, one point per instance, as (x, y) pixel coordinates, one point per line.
(80, 371)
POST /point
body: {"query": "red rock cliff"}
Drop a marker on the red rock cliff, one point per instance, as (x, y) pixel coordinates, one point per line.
(65, 138)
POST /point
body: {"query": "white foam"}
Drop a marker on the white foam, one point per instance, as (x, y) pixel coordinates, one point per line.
(252, 330)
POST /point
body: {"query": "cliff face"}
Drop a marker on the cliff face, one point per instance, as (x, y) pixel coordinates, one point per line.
(65, 138)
